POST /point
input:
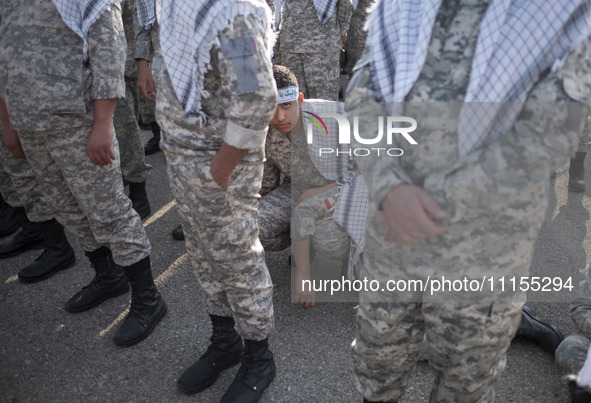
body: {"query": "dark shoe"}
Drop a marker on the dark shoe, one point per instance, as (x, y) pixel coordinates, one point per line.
(139, 199)
(576, 173)
(57, 255)
(548, 337)
(255, 374)
(224, 352)
(577, 393)
(30, 237)
(153, 145)
(147, 305)
(108, 282)
(178, 234)
(9, 219)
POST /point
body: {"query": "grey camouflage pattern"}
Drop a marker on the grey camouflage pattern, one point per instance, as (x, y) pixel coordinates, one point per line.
(133, 160)
(318, 74)
(357, 35)
(275, 203)
(572, 352)
(221, 233)
(251, 110)
(301, 32)
(492, 222)
(19, 186)
(220, 224)
(312, 51)
(87, 199)
(61, 88)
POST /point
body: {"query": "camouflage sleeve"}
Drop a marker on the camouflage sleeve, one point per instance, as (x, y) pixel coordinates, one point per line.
(107, 50)
(271, 177)
(344, 12)
(362, 101)
(144, 48)
(246, 70)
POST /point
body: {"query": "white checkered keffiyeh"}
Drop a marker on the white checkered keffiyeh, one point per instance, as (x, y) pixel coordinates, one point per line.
(188, 30)
(519, 40)
(324, 9)
(79, 15)
(146, 12)
(351, 208)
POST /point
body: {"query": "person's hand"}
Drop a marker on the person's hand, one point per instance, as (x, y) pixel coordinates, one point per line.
(314, 191)
(10, 138)
(410, 215)
(100, 143)
(221, 172)
(306, 298)
(145, 81)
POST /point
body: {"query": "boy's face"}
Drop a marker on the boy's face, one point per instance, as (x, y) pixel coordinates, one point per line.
(287, 115)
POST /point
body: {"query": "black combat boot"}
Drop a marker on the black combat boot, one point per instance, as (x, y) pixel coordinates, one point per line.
(548, 337)
(147, 305)
(57, 254)
(108, 282)
(224, 352)
(576, 173)
(153, 145)
(139, 199)
(256, 373)
(178, 233)
(9, 220)
(30, 237)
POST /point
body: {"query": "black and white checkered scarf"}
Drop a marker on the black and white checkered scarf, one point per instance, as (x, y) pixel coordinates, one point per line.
(519, 40)
(79, 15)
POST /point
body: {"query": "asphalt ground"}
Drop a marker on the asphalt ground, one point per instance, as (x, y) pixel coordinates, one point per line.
(48, 354)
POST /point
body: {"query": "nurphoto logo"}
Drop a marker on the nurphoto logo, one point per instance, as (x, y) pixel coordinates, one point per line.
(392, 127)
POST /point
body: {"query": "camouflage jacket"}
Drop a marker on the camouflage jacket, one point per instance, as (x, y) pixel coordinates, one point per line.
(240, 104)
(277, 160)
(537, 143)
(48, 85)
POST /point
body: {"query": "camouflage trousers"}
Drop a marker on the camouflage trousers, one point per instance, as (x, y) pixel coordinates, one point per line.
(274, 219)
(19, 186)
(86, 198)
(357, 35)
(222, 238)
(572, 352)
(133, 161)
(311, 219)
(468, 333)
(318, 74)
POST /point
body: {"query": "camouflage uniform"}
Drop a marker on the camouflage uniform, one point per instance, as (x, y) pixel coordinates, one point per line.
(133, 161)
(311, 218)
(275, 203)
(19, 186)
(357, 34)
(220, 224)
(492, 221)
(572, 352)
(312, 51)
(52, 107)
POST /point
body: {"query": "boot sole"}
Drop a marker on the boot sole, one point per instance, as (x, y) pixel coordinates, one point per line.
(129, 343)
(64, 266)
(113, 294)
(196, 389)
